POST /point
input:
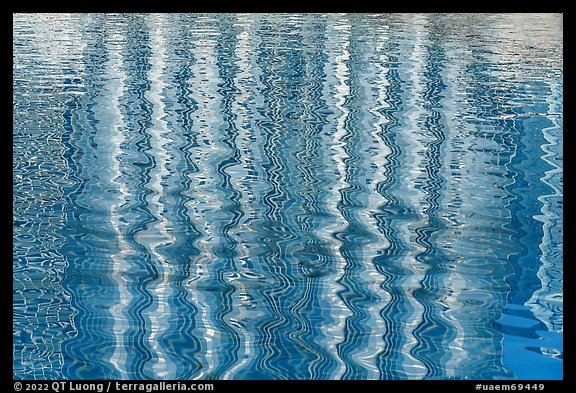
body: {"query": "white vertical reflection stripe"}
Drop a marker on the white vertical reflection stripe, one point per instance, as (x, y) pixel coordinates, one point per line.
(454, 281)
(242, 309)
(161, 289)
(414, 162)
(206, 204)
(338, 40)
(546, 302)
(376, 153)
(117, 78)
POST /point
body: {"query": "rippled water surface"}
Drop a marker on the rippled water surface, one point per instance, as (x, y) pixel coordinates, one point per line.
(253, 196)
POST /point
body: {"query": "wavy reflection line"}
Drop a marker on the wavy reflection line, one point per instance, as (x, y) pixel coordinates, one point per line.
(138, 112)
(85, 137)
(244, 305)
(433, 324)
(486, 238)
(227, 164)
(119, 357)
(275, 232)
(312, 254)
(204, 202)
(161, 289)
(546, 302)
(337, 42)
(356, 295)
(378, 157)
(292, 80)
(413, 162)
(392, 210)
(180, 106)
(89, 273)
(451, 214)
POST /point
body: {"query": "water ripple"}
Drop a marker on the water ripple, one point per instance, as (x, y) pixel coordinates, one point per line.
(287, 196)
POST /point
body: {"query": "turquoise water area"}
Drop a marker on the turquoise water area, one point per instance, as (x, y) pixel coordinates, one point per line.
(298, 196)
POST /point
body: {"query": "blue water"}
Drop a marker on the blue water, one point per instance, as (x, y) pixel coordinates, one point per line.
(254, 196)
